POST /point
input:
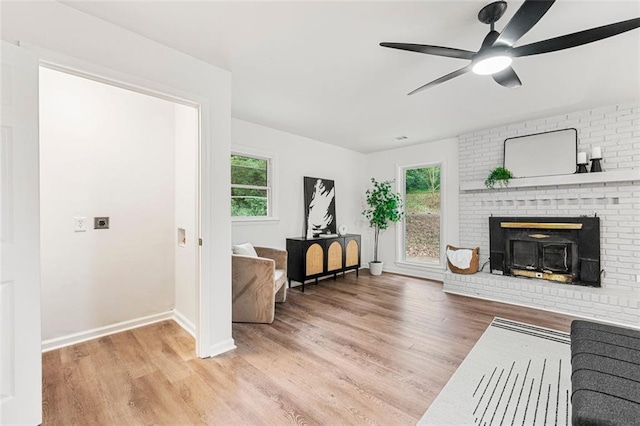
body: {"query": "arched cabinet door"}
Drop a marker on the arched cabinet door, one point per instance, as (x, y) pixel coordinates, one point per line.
(352, 255)
(334, 256)
(314, 259)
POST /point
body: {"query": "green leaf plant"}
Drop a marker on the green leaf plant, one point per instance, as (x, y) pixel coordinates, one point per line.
(385, 207)
(499, 175)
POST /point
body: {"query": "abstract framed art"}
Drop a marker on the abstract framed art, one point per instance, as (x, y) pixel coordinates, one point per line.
(319, 206)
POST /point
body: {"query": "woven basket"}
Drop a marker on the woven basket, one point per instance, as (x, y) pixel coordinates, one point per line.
(473, 266)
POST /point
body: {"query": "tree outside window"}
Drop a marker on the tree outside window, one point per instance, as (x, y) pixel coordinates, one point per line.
(423, 219)
(250, 186)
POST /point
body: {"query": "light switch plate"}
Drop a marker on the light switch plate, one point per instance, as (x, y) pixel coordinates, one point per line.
(80, 224)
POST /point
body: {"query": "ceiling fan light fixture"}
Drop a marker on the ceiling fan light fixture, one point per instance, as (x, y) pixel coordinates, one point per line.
(492, 64)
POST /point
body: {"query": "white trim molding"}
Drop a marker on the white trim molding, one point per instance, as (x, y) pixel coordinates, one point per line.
(95, 333)
(184, 322)
(119, 327)
(413, 270)
(222, 347)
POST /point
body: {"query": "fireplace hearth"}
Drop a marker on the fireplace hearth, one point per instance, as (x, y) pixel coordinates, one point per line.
(562, 249)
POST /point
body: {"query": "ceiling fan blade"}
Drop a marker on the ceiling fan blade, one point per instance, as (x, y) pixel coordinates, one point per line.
(507, 78)
(442, 79)
(431, 50)
(489, 39)
(523, 20)
(576, 39)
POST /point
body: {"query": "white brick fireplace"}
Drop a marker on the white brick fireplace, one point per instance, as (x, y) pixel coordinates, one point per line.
(613, 195)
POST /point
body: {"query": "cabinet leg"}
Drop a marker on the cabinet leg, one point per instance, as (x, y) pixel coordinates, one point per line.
(334, 276)
(357, 272)
(303, 286)
(316, 281)
(289, 282)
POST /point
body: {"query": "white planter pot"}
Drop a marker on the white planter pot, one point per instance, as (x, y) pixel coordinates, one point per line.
(375, 268)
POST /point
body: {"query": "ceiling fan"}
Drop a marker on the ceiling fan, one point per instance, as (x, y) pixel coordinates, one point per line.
(497, 51)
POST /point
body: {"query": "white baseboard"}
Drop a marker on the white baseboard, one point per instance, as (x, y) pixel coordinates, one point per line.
(415, 271)
(184, 322)
(222, 347)
(555, 311)
(83, 336)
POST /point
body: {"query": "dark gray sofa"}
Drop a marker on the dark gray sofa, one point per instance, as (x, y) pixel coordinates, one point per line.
(605, 378)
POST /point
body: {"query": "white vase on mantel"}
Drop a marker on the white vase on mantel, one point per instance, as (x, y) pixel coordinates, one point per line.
(375, 268)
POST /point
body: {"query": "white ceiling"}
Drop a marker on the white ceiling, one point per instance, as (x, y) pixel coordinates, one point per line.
(315, 68)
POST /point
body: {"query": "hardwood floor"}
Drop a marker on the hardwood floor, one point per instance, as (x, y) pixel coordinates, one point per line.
(373, 350)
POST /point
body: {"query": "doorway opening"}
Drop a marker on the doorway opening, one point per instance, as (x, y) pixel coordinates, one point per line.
(120, 209)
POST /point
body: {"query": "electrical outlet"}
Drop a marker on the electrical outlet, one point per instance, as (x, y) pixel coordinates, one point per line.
(100, 223)
(80, 224)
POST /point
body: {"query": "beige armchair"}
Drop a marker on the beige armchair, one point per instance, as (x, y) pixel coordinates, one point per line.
(258, 282)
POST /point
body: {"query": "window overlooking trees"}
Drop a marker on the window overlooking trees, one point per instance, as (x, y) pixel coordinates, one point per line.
(422, 221)
(250, 186)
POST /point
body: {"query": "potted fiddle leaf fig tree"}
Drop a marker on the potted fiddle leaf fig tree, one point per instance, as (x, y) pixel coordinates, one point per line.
(385, 207)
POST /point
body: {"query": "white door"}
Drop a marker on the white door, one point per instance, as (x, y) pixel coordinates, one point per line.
(20, 340)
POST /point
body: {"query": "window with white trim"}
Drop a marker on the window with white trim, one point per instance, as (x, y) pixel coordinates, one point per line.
(422, 225)
(251, 191)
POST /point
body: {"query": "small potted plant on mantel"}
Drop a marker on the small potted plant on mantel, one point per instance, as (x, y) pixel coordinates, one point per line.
(499, 175)
(385, 207)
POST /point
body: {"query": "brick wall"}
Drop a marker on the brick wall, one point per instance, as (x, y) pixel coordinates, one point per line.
(621, 307)
(616, 129)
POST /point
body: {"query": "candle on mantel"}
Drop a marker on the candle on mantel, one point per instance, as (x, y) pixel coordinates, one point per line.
(582, 158)
(596, 152)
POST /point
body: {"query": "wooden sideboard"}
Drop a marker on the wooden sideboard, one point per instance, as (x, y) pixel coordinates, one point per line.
(311, 258)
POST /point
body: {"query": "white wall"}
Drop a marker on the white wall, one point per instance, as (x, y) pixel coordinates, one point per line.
(186, 157)
(384, 166)
(65, 36)
(104, 151)
(296, 157)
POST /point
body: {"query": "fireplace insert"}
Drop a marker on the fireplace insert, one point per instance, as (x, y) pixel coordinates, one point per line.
(563, 249)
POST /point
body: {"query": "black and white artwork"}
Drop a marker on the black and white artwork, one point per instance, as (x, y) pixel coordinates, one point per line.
(319, 206)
